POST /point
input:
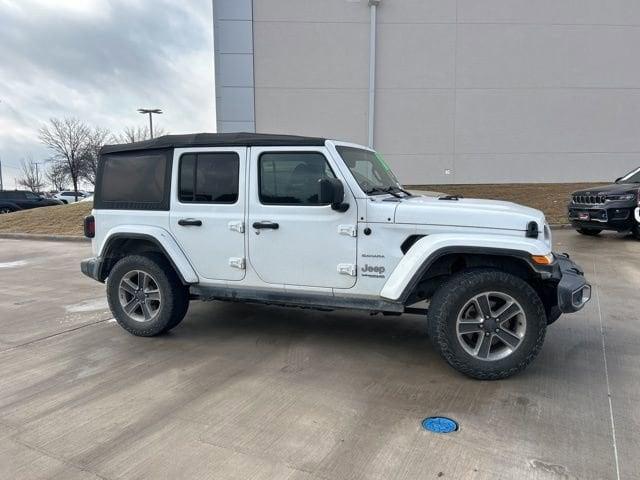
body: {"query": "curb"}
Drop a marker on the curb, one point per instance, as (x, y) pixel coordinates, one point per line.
(50, 238)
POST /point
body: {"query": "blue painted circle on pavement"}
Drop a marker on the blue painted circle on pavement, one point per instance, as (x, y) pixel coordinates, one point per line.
(440, 424)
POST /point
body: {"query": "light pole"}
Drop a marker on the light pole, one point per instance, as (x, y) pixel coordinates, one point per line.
(150, 112)
(38, 176)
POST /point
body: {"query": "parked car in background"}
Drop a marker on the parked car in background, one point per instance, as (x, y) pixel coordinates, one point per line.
(13, 200)
(69, 196)
(609, 207)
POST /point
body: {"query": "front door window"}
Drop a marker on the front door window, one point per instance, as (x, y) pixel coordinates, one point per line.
(292, 178)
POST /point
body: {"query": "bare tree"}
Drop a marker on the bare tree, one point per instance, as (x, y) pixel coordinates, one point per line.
(137, 134)
(67, 139)
(57, 176)
(95, 140)
(31, 176)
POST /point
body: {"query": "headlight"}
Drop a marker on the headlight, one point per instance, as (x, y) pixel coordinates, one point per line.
(626, 196)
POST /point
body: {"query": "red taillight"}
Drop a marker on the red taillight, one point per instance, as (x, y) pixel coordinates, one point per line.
(89, 226)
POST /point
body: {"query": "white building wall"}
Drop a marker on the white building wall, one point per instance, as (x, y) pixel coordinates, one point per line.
(233, 45)
(467, 91)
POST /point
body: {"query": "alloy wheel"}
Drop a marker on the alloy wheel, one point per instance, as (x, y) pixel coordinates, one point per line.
(139, 296)
(491, 326)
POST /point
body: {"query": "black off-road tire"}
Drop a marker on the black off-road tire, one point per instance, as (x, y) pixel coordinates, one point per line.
(591, 232)
(635, 231)
(450, 299)
(174, 295)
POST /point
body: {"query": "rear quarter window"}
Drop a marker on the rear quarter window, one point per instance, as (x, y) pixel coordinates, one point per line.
(12, 195)
(138, 180)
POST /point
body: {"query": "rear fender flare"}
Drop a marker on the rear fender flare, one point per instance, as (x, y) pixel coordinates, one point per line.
(14, 206)
(162, 238)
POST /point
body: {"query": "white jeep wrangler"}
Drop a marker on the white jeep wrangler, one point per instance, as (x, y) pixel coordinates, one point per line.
(315, 223)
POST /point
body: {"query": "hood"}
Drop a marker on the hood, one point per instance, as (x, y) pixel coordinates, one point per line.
(614, 188)
(467, 212)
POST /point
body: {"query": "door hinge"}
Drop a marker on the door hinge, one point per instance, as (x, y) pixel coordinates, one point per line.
(347, 269)
(236, 226)
(237, 262)
(349, 230)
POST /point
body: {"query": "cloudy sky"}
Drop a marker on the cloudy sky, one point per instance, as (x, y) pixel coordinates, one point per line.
(100, 60)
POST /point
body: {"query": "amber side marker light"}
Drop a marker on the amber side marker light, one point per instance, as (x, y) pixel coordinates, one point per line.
(542, 259)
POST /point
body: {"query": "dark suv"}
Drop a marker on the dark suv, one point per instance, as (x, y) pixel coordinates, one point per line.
(609, 207)
(14, 200)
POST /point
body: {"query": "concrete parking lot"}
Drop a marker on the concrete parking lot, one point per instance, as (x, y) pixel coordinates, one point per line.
(255, 392)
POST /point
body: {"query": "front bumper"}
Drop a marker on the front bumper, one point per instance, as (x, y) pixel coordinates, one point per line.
(91, 268)
(617, 216)
(573, 291)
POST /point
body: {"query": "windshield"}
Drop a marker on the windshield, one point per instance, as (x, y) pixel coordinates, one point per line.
(370, 171)
(631, 177)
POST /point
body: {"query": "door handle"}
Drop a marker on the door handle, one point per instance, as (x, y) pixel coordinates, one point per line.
(269, 225)
(190, 222)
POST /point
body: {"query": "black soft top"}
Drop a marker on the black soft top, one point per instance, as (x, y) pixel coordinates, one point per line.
(217, 140)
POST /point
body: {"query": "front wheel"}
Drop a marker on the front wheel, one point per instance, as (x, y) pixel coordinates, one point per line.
(145, 295)
(487, 324)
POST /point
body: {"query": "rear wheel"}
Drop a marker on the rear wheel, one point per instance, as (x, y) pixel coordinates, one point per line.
(589, 231)
(145, 295)
(487, 324)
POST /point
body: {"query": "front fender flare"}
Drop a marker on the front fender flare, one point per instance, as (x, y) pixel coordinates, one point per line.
(431, 247)
(162, 238)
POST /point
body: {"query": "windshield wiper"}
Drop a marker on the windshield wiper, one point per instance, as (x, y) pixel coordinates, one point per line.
(392, 190)
(383, 190)
(406, 192)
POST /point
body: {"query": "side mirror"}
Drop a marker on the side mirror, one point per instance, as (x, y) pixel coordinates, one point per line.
(332, 192)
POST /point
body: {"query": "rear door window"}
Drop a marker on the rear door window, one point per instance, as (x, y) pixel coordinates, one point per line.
(15, 195)
(211, 177)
